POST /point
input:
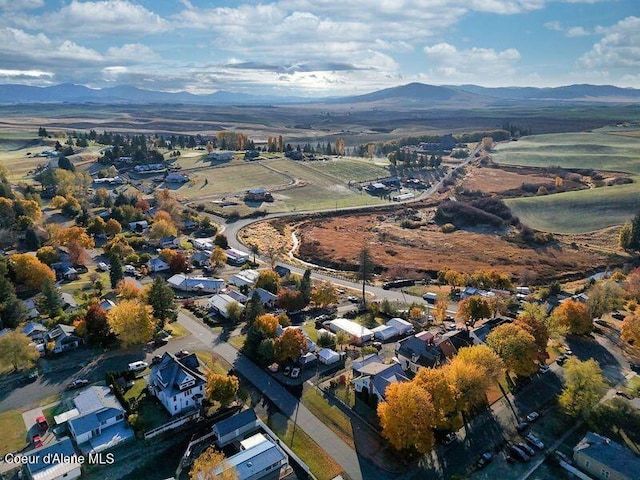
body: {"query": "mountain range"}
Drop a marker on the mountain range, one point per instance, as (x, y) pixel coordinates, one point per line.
(413, 94)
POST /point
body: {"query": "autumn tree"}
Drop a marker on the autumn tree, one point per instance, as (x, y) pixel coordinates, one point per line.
(218, 258)
(536, 327)
(290, 300)
(516, 347)
(162, 228)
(221, 388)
(604, 297)
(485, 358)
(266, 325)
(324, 294)
(472, 309)
(76, 240)
(234, 312)
(339, 146)
(306, 286)
(128, 289)
(440, 309)
(179, 263)
(583, 386)
(435, 382)
(573, 316)
(630, 331)
(269, 280)
(29, 271)
(48, 255)
(470, 383)
(209, 463)
(407, 417)
(290, 345)
(160, 298)
(17, 350)
(132, 321)
(97, 327)
(112, 227)
(366, 268)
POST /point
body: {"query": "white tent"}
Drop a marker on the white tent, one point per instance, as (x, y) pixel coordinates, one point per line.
(384, 332)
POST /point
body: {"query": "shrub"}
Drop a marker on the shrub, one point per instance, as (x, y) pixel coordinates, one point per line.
(448, 228)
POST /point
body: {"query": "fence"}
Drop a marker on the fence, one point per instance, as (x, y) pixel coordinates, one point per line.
(175, 423)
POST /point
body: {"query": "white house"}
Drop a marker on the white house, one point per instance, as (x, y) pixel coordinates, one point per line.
(264, 459)
(244, 277)
(220, 156)
(236, 257)
(100, 423)
(220, 303)
(402, 326)
(374, 378)
(202, 244)
(177, 383)
(157, 265)
(384, 332)
(63, 338)
(170, 242)
(186, 283)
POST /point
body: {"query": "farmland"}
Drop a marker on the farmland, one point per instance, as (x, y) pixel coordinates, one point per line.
(585, 210)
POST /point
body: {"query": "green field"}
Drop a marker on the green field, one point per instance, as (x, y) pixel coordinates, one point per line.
(345, 170)
(580, 211)
(597, 150)
(584, 210)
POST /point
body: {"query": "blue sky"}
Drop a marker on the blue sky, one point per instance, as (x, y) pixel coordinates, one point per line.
(318, 47)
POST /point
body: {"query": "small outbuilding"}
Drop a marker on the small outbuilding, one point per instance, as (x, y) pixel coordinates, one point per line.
(328, 356)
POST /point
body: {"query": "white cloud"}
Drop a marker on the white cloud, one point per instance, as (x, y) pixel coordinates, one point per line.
(450, 64)
(20, 4)
(619, 48)
(24, 74)
(577, 32)
(93, 19)
(131, 52)
(554, 25)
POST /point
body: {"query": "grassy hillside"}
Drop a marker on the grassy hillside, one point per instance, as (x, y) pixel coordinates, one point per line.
(579, 211)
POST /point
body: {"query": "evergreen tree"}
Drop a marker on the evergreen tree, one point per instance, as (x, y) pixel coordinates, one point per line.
(305, 286)
(115, 274)
(365, 271)
(51, 301)
(162, 302)
(253, 309)
(31, 239)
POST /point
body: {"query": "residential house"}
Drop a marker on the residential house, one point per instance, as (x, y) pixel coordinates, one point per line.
(267, 298)
(158, 265)
(374, 377)
(258, 195)
(31, 306)
(170, 242)
(471, 291)
(236, 257)
(237, 296)
(35, 331)
(263, 460)
(328, 356)
(176, 178)
(186, 283)
(402, 326)
(601, 457)
(222, 156)
(63, 337)
(479, 334)
(384, 332)
(68, 302)
(107, 304)
(220, 303)
(101, 422)
(203, 244)
(201, 258)
(419, 351)
(282, 271)
(139, 226)
(244, 277)
(177, 382)
(228, 430)
(65, 464)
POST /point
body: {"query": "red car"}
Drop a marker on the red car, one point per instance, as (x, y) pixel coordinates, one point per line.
(37, 441)
(42, 423)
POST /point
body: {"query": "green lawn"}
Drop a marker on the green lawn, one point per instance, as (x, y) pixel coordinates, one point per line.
(176, 330)
(320, 463)
(14, 434)
(345, 170)
(238, 341)
(213, 362)
(310, 329)
(330, 415)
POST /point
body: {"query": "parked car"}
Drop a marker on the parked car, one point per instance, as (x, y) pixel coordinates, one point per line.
(103, 267)
(510, 459)
(535, 441)
(522, 426)
(37, 441)
(484, 460)
(295, 372)
(42, 423)
(377, 345)
(518, 453)
(532, 417)
(620, 393)
(353, 299)
(528, 450)
(156, 359)
(78, 383)
(137, 366)
(561, 359)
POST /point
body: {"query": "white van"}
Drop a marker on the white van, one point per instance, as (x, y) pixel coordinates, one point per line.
(138, 366)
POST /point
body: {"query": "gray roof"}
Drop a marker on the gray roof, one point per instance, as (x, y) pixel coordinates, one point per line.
(172, 372)
(485, 329)
(256, 459)
(609, 453)
(96, 398)
(392, 374)
(425, 355)
(32, 327)
(235, 422)
(61, 447)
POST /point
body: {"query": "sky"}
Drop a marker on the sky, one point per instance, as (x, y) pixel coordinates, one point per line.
(318, 47)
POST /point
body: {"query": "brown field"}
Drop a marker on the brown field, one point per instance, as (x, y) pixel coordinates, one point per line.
(337, 241)
(496, 180)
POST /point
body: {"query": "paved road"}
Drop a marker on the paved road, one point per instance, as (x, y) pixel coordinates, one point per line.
(353, 464)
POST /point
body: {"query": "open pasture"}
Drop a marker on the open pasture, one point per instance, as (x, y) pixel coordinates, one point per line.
(589, 150)
(579, 211)
(350, 169)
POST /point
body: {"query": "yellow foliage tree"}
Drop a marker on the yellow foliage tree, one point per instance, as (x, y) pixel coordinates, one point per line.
(212, 465)
(267, 325)
(324, 294)
(29, 271)
(162, 228)
(631, 330)
(470, 382)
(112, 227)
(443, 395)
(221, 388)
(573, 316)
(583, 386)
(516, 347)
(218, 257)
(484, 357)
(58, 201)
(16, 349)
(75, 235)
(407, 417)
(290, 345)
(132, 322)
(128, 289)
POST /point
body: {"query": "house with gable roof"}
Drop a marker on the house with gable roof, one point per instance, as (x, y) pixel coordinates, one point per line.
(419, 351)
(373, 377)
(63, 338)
(177, 382)
(601, 457)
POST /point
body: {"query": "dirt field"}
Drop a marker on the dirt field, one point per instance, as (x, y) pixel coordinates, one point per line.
(496, 180)
(337, 241)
